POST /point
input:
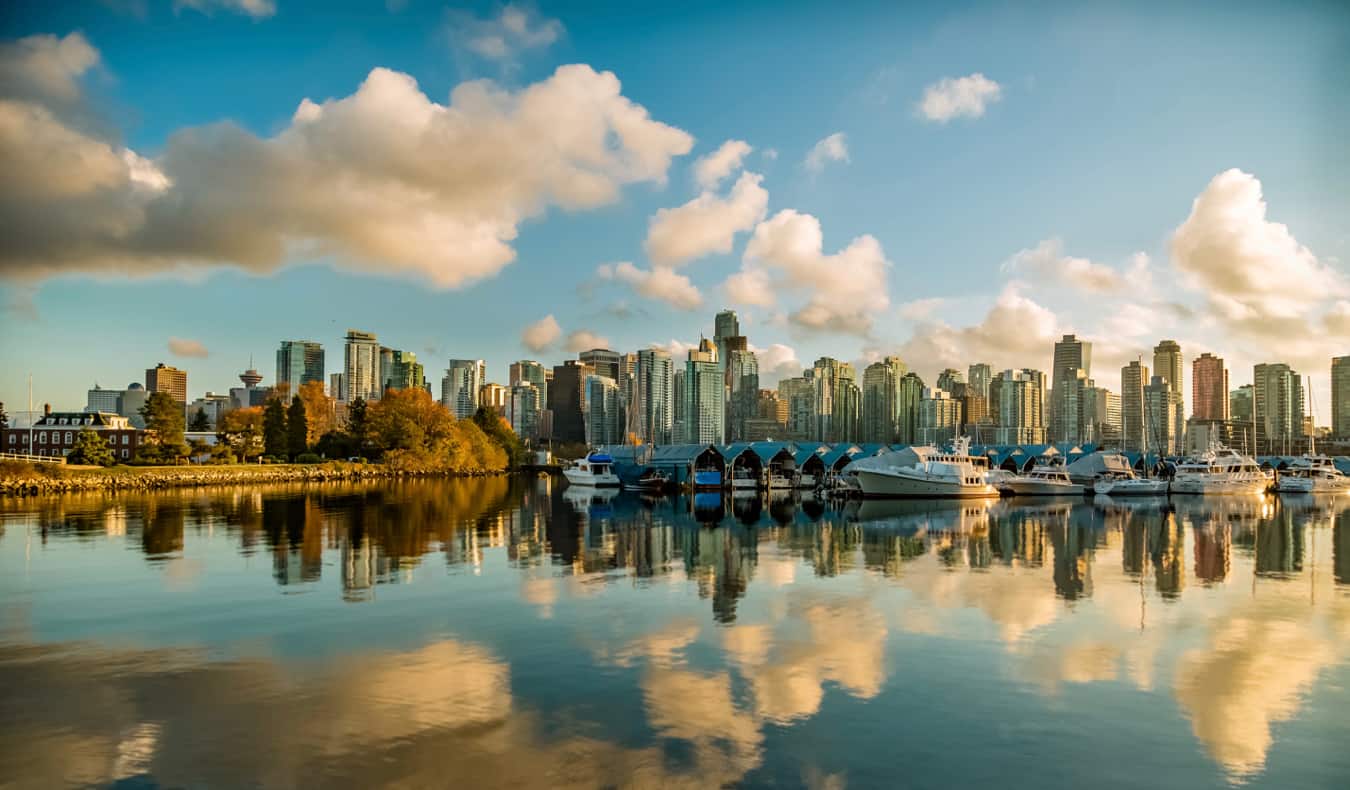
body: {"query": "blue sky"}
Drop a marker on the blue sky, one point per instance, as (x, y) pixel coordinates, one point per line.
(1061, 199)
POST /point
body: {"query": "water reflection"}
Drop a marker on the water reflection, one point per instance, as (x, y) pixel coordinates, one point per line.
(517, 632)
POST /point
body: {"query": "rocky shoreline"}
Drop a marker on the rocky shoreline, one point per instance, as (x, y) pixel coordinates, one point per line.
(187, 477)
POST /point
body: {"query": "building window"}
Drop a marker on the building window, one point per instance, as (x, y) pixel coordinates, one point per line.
(126, 438)
(124, 453)
(42, 437)
(13, 439)
(68, 437)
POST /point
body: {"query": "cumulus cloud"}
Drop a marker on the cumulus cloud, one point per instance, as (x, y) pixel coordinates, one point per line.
(831, 149)
(707, 224)
(585, 340)
(920, 309)
(677, 349)
(1047, 259)
(846, 289)
(1017, 332)
(660, 283)
(711, 169)
(750, 286)
(1252, 270)
(542, 334)
(777, 361)
(514, 29)
(959, 97)
(383, 181)
(46, 68)
(258, 9)
(187, 348)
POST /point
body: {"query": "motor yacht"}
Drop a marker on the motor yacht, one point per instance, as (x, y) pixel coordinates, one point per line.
(1220, 470)
(1312, 474)
(923, 472)
(1047, 479)
(595, 470)
(1122, 485)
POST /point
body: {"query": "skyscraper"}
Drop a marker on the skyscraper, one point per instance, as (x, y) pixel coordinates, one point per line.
(400, 370)
(361, 371)
(601, 411)
(167, 378)
(1340, 398)
(606, 363)
(1162, 407)
(1072, 366)
(1277, 405)
(1133, 379)
(461, 386)
(742, 377)
(837, 400)
(907, 410)
(531, 372)
(564, 400)
(1241, 412)
(1167, 363)
(1017, 398)
(298, 363)
(799, 394)
(1102, 410)
(939, 416)
(978, 376)
(523, 411)
(949, 378)
(704, 413)
(725, 325)
(881, 400)
(652, 395)
(1209, 388)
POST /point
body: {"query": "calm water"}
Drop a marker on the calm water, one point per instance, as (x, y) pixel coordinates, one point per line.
(510, 633)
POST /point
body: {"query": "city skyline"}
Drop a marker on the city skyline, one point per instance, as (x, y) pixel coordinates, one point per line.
(840, 232)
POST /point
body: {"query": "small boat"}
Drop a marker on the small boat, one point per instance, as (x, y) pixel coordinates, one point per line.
(923, 472)
(806, 481)
(1312, 474)
(744, 479)
(595, 470)
(1119, 485)
(1047, 479)
(779, 481)
(652, 481)
(1220, 470)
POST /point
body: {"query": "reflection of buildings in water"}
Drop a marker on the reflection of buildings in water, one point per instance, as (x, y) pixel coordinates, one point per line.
(1340, 550)
(1213, 546)
(1016, 539)
(358, 569)
(884, 551)
(722, 562)
(162, 525)
(1279, 547)
(1073, 544)
(1166, 546)
(115, 521)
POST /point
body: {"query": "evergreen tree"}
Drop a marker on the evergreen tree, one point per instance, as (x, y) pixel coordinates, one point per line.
(297, 427)
(358, 427)
(4, 418)
(164, 416)
(200, 421)
(274, 429)
(90, 448)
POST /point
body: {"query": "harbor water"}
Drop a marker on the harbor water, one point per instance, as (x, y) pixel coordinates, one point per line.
(514, 632)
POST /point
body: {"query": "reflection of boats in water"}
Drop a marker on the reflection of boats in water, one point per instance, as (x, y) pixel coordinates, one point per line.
(929, 515)
(1235, 508)
(924, 472)
(1134, 503)
(1130, 486)
(595, 502)
(595, 470)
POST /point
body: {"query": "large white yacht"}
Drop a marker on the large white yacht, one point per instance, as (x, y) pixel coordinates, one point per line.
(1312, 474)
(1045, 479)
(595, 470)
(1121, 485)
(923, 472)
(1220, 470)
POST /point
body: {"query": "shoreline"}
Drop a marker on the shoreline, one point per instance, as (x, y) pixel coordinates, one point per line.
(153, 478)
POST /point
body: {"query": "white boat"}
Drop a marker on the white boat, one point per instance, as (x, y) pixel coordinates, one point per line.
(806, 481)
(924, 472)
(779, 481)
(743, 479)
(1220, 471)
(1114, 485)
(1042, 480)
(1312, 474)
(595, 470)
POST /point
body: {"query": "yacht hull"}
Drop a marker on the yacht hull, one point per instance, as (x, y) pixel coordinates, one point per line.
(1118, 488)
(1219, 486)
(1304, 485)
(1022, 487)
(897, 484)
(579, 477)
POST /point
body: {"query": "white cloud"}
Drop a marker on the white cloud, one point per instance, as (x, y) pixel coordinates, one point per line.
(1017, 332)
(776, 361)
(384, 181)
(46, 68)
(711, 169)
(920, 309)
(660, 283)
(1048, 260)
(1253, 271)
(846, 289)
(958, 97)
(258, 9)
(514, 29)
(831, 149)
(585, 340)
(542, 334)
(187, 348)
(677, 349)
(707, 224)
(751, 286)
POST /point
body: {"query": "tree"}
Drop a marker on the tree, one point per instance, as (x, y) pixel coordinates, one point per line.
(357, 428)
(197, 448)
(297, 429)
(92, 449)
(498, 429)
(242, 430)
(200, 422)
(4, 418)
(319, 417)
(274, 428)
(164, 417)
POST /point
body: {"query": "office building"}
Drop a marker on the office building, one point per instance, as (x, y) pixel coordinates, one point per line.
(907, 409)
(704, 412)
(1017, 399)
(523, 411)
(167, 378)
(1072, 369)
(949, 378)
(1163, 425)
(564, 401)
(654, 414)
(1340, 398)
(1209, 388)
(493, 396)
(527, 371)
(742, 382)
(605, 362)
(1133, 378)
(881, 400)
(1277, 406)
(400, 370)
(101, 400)
(211, 405)
(361, 367)
(838, 400)
(979, 376)
(298, 363)
(1167, 364)
(461, 386)
(798, 395)
(601, 410)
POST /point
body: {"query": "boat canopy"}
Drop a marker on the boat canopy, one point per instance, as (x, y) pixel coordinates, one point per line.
(1091, 465)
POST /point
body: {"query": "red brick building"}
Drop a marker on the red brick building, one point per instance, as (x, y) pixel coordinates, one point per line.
(55, 432)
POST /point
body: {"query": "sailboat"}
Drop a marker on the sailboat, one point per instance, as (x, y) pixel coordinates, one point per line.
(1312, 473)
